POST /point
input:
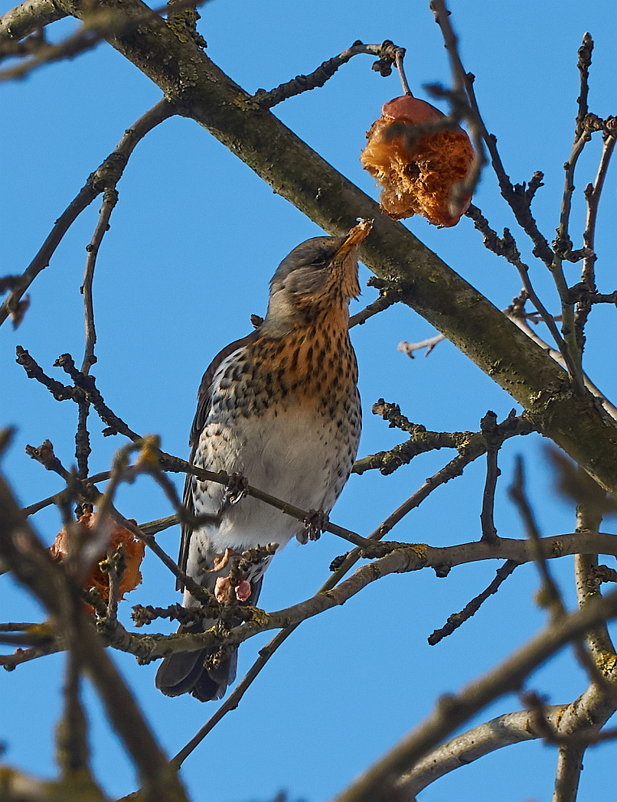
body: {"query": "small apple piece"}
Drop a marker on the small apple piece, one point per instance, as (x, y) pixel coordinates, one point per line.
(417, 171)
(119, 537)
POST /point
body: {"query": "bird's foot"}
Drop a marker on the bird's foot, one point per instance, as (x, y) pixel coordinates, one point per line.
(314, 524)
(221, 560)
(235, 489)
(227, 590)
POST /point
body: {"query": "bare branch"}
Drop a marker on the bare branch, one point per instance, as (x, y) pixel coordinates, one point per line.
(494, 440)
(82, 436)
(32, 565)
(397, 558)
(504, 730)
(567, 776)
(26, 19)
(593, 192)
(436, 292)
(386, 53)
(584, 62)
(379, 782)
(471, 608)
(106, 176)
(468, 444)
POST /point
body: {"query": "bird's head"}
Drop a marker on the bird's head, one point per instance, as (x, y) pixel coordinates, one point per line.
(319, 275)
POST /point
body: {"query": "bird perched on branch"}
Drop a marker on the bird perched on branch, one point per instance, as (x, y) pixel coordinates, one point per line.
(281, 409)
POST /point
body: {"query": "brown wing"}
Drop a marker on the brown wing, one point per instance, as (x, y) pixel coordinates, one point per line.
(203, 408)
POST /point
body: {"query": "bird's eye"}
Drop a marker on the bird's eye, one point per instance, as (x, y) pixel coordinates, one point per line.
(321, 261)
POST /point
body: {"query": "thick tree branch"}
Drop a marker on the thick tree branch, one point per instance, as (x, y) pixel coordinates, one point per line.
(378, 784)
(205, 93)
(505, 730)
(568, 773)
(26, 18)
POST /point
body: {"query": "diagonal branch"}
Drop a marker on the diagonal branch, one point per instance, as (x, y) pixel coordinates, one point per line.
(25, 19)
(32, 565)
(427, 284)
(386, 53)
(106, 176)
(379, 782)
(505, 730)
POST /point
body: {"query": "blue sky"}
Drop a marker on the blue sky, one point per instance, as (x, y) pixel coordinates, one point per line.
(192, 245)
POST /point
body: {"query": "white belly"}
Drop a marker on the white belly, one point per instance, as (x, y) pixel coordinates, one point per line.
(288, 455)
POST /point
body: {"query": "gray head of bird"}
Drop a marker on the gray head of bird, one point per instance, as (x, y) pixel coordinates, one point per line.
(319, 276)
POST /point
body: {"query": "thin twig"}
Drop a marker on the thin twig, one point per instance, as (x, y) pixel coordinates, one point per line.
(550, 594)
(385, 301)
(507, 248)
(110, 199)
(54, 588)
(593, 194)
(408, 348)
(493, 440)
(45, 455)
(421, 441)
(471, 608)
(386, 53)
(87, 385)
(584, 62)
(464, 101)
(105, 176)
(562, 248)
(10, 661)
(82, 436)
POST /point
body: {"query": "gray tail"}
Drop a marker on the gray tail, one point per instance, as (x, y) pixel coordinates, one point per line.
(195, 672)
(189, 672)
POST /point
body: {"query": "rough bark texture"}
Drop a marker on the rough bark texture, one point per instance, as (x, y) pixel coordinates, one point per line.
(25, 18)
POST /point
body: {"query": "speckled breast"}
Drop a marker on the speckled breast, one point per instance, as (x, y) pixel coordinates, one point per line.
(285, 413)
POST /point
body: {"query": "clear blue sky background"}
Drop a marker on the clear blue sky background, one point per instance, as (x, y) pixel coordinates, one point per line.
(192, 245)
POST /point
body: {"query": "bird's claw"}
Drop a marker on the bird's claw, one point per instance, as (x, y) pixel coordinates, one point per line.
(227, 590)
(314, 524)
(236, 488)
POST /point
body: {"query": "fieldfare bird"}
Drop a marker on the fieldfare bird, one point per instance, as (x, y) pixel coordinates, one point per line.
(280, 408)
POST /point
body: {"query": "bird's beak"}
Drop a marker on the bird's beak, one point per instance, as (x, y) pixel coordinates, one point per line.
(356, 236)
(346, 260)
